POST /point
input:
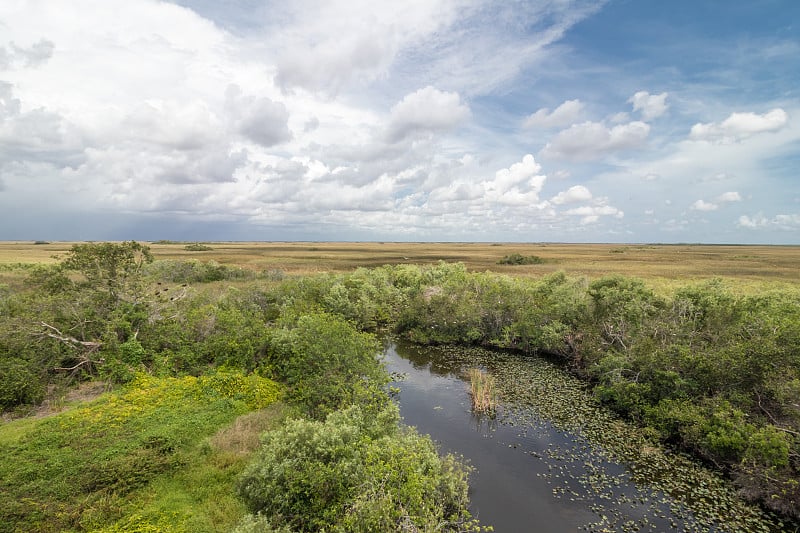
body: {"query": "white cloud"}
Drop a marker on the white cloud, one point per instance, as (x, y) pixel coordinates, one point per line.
(576, 193)
(260, 119)
(591, 214)
(649, 105)
(521, 183)
(36, 134)
(590, 140)
(780, 222)
(596, 210)
(567, 113)
(702, 205)
(740, 126)
(619, 118)
(757, 221)
(369, 114)
(427, 109)
(724, 198)
(15, 56)
(730, 196)
(561, 174)
(326, 46)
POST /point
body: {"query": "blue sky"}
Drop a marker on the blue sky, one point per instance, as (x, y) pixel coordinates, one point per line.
(463, 120)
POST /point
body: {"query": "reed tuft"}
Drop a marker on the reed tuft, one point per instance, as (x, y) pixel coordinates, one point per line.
(483, 391)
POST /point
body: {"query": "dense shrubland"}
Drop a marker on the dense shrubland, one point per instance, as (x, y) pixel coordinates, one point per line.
(164, 452)
(708, 370)
(705, 368)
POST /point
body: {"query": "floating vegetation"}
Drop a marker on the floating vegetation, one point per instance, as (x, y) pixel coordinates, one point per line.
(482, 391)
(630, 482)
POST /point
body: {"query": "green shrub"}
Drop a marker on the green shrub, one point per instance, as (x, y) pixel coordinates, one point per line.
(356, 471)
(194, 271)
(326, 362)
(197, 247)
(19, 384)
(519, 259)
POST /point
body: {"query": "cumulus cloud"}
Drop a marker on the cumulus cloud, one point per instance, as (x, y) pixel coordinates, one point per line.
(427, 109)
(19, 56)
(649, 105)
(591, 213)
(523, 175)
(9, 105)
(577, 193)
(739, 126)
(344, 42)
(519, 185)
(730, 196)
(619, 118)
(187, 125)
(702, 205)
(567, 113)
(326, 66)
(724, 198)
(266, 123)
(789, 222)
(590, 140)
(38, 134)
(259, 119)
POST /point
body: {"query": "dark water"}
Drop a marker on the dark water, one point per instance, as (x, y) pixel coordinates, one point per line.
(529, 475)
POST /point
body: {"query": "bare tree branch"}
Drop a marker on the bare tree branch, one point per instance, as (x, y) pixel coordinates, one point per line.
(55, 333)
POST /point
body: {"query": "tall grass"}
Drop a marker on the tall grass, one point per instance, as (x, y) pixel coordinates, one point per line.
(482, 391)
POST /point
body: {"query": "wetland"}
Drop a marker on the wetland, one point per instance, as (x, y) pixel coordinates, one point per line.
(613, 392)
(552, 459)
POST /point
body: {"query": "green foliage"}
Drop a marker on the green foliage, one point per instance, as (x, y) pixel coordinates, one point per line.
(194, 271)
(259, 523)
(715, 372)
(356, 471)
(325, 361)
(712, 371)
(107, 266)
(70, 470)
(197, 247)
(19, 384)
(519, 259)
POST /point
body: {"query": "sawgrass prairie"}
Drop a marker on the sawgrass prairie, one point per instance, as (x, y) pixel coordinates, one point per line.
(665, 263)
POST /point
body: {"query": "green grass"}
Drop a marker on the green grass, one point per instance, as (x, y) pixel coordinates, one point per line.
(135, 460)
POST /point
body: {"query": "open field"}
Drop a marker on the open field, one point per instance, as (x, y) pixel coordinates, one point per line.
(667, 262)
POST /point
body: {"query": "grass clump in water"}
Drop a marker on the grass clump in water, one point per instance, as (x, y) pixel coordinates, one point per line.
(482, 391)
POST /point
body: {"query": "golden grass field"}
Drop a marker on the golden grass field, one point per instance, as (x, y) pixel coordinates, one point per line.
(760, 263)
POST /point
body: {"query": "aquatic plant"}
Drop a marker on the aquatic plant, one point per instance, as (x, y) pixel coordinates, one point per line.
(482, 391)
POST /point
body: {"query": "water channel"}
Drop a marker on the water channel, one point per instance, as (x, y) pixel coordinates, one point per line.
(540, 463)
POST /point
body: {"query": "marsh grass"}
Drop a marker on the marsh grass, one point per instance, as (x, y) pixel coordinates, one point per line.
(243, 436)
(662, 263)
(482, 391)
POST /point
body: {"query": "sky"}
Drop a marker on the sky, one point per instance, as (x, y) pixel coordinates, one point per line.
(421, 120)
